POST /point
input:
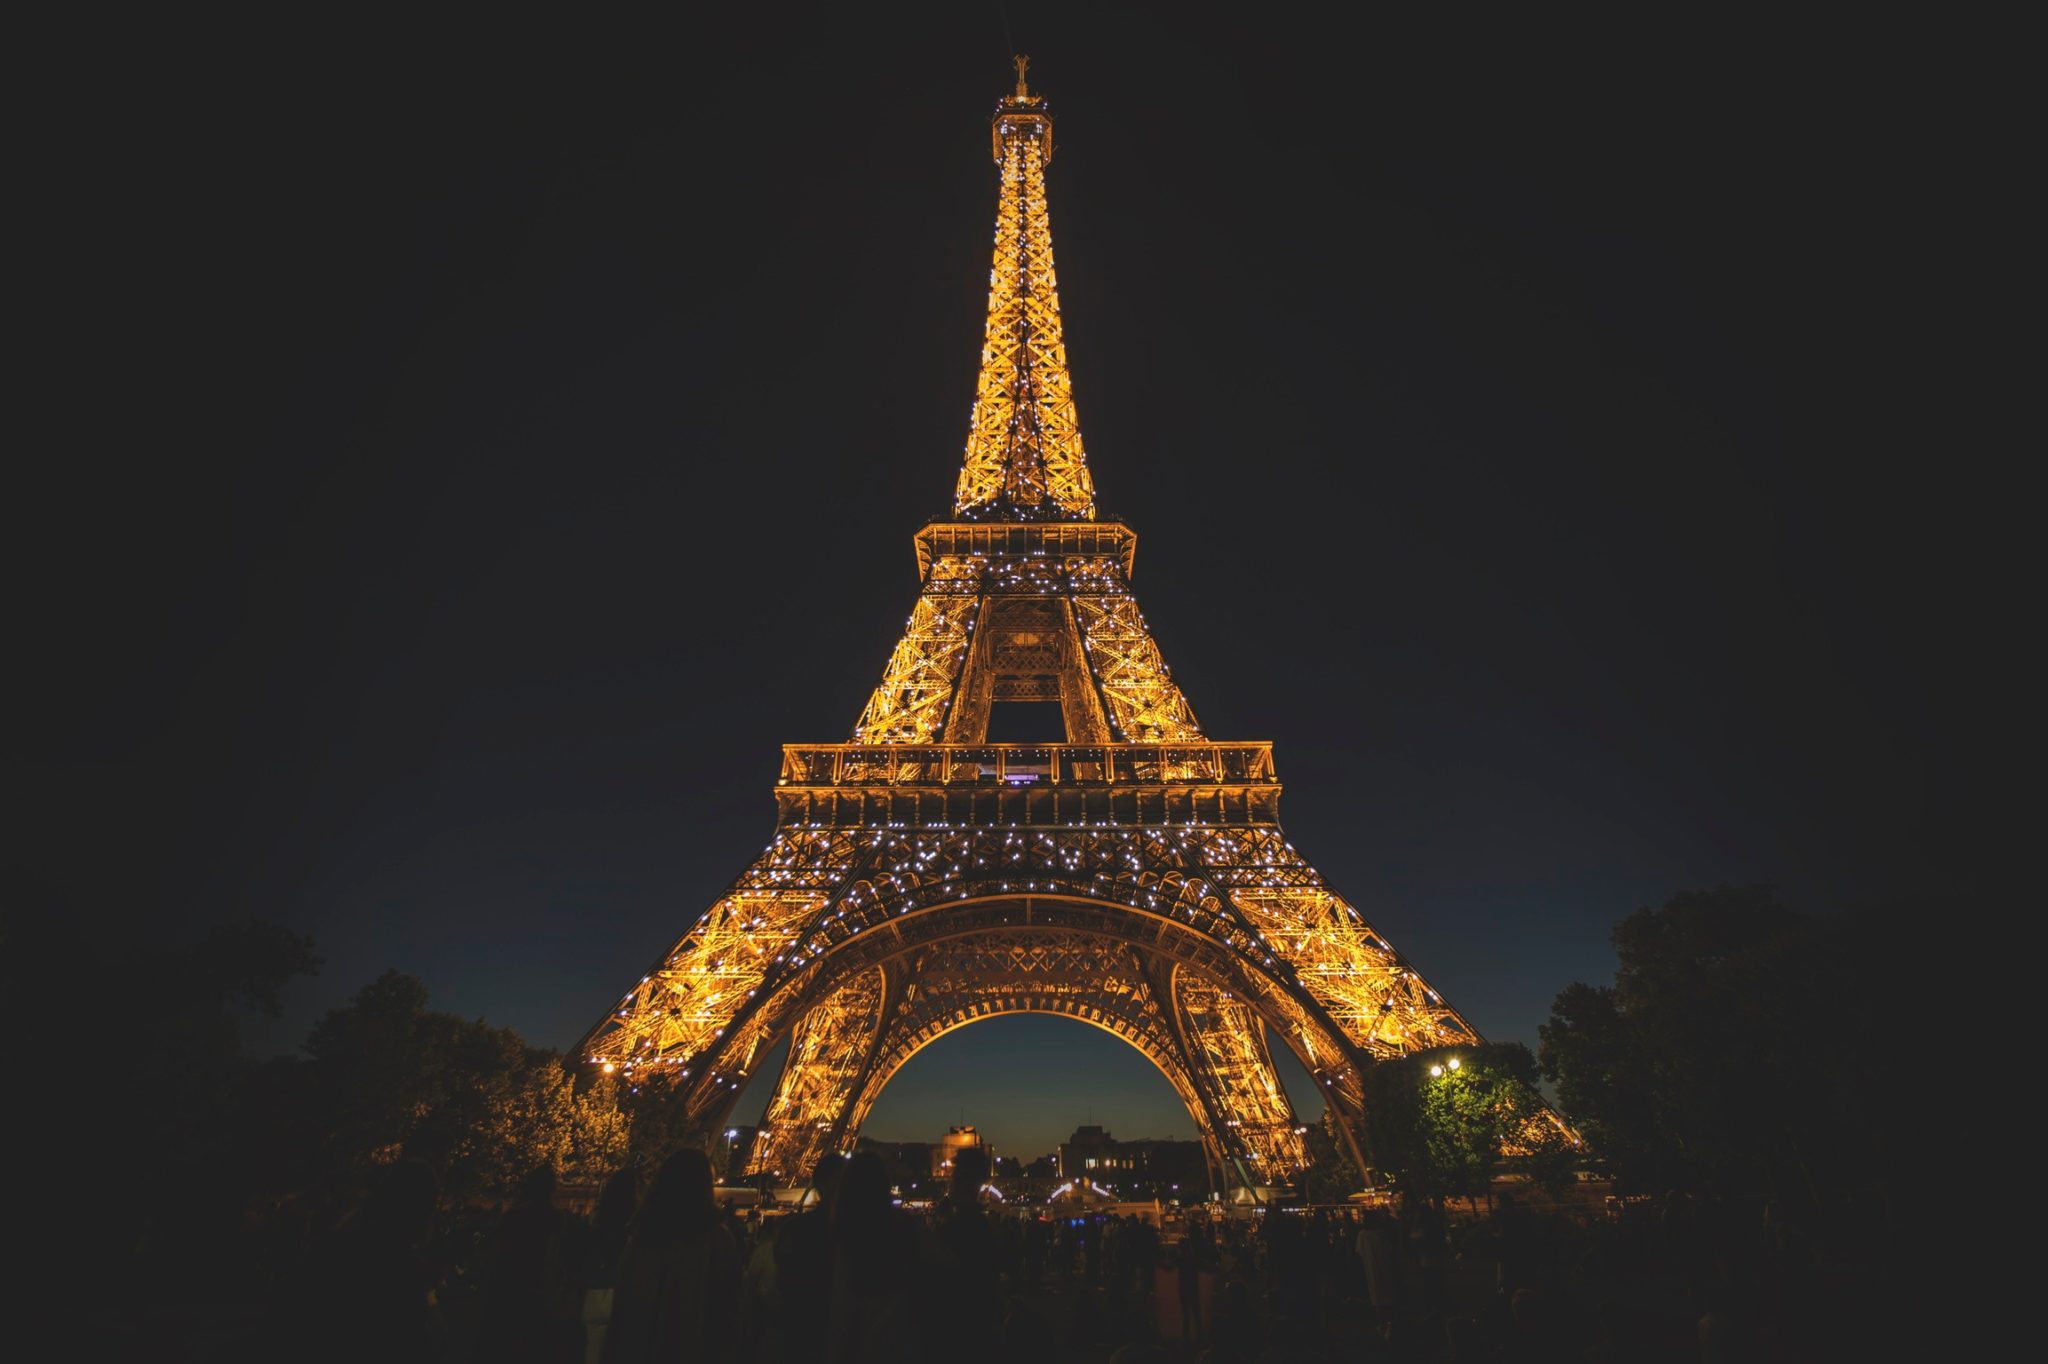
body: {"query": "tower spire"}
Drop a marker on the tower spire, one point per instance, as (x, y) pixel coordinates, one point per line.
(1024, 458)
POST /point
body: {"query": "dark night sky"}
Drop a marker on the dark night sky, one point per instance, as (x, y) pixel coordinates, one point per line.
(518, 436)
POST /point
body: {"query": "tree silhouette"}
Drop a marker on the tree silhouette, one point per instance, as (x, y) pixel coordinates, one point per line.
(1733, 1051)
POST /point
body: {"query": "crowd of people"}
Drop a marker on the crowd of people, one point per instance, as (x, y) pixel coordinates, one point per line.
(658, 1271)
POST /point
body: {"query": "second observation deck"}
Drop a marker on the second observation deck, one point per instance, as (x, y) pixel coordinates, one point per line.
(1028, 783)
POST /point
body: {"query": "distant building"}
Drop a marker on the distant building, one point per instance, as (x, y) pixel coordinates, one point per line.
(924, 1167)
(908, 1163)
(1146, 1164)
(956, 1140)
(1027, 1182)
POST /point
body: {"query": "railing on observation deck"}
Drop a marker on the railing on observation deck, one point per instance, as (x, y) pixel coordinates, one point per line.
(1010, 765)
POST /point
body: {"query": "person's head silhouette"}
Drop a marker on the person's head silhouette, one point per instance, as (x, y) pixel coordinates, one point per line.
(825, 1178)
(616, 1204)
(970, 1172)
(863, 1192)
(679, 1203)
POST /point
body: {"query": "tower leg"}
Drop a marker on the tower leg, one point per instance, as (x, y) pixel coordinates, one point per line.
(1225, 1040)
(830, 1051)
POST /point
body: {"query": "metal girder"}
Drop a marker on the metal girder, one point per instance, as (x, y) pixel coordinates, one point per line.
(1144, 703)
(922, 673)
(1379, 1002)
(830, 1049)
(1227, 1035)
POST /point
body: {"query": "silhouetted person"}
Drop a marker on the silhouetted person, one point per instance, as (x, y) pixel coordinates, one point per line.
(1010, 1249)
(874, 1267)
(1196, 1255)
(797, 1328)
(1144, 1255)
(966, 1280)
(1428, 1255)
(531, 1311)
(1513, 1244)
(617, 1202)
(1379, 1250)
(678, 1281)
(1292, 1270)
(758, 1293)
(742, 1235)
(367, 1291)
(1038, 1234)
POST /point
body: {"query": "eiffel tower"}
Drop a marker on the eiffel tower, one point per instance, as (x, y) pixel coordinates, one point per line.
(921, 878)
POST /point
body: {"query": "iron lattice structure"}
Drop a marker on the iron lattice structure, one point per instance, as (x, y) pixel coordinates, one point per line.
(920, 879)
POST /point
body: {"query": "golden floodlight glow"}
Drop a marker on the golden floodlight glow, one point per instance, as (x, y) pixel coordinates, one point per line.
(1131, 874)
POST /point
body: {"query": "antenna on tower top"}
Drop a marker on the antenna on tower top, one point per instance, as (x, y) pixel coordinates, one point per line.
(1022, 62)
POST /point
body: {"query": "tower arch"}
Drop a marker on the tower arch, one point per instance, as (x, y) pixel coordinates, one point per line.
(874, 1003)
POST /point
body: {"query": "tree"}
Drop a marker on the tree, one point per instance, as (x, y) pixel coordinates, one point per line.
(538, 1116)
(1442, 1121)
(1332, 1175)
(1590, 1054)
(192, 993)
(1730, 1053)
(657, 1118)
(194, 1165)
(395, 1078)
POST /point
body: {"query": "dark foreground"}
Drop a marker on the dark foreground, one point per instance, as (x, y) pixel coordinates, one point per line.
(1677, 1279)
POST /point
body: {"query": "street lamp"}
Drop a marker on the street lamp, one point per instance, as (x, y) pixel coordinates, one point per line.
(723, 1170)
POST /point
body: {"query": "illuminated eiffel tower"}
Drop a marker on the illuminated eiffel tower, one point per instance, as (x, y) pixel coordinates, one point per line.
(922, 879)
